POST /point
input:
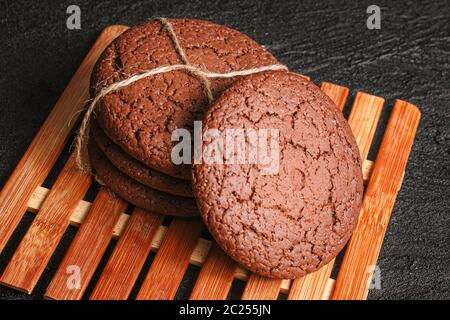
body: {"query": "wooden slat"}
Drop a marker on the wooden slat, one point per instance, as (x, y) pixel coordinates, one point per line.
(88, 247)
(328, 289)
(216, 277)
(336, 93)
(261, 288)
(172, 260)
(43, 152)
(125, 264)
(367, 167)
(311, 286)
(363, 120)
(339, 96)
(44, 234)
(364, 247)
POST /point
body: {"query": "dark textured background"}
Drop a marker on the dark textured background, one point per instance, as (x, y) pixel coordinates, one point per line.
(408, 58)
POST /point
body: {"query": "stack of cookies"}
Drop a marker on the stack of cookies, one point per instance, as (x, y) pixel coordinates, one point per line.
(283, 222)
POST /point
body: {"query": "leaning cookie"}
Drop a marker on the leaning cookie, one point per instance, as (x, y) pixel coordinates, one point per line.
(292, 213)
(136, 170)
(136, 193)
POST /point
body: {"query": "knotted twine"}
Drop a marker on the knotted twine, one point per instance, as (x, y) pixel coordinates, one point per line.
(202, 75)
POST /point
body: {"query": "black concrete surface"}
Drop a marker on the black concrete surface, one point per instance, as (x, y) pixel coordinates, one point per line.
(408, 58)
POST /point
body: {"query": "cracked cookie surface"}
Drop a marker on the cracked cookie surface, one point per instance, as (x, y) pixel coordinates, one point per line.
(136, 170)
(136, 193)
(288, 224)
(141, 117)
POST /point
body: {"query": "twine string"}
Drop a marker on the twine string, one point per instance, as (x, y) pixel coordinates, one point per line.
(204, 81)
(202, 75)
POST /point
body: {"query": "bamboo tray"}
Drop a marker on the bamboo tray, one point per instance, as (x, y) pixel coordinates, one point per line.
(179, 244)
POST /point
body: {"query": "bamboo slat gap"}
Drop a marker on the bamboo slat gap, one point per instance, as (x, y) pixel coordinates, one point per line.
(364, 247)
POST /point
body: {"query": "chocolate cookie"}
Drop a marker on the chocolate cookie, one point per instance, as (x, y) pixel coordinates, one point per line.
(137, 194)
(141, 117)
(291, 221)
(136, 170)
